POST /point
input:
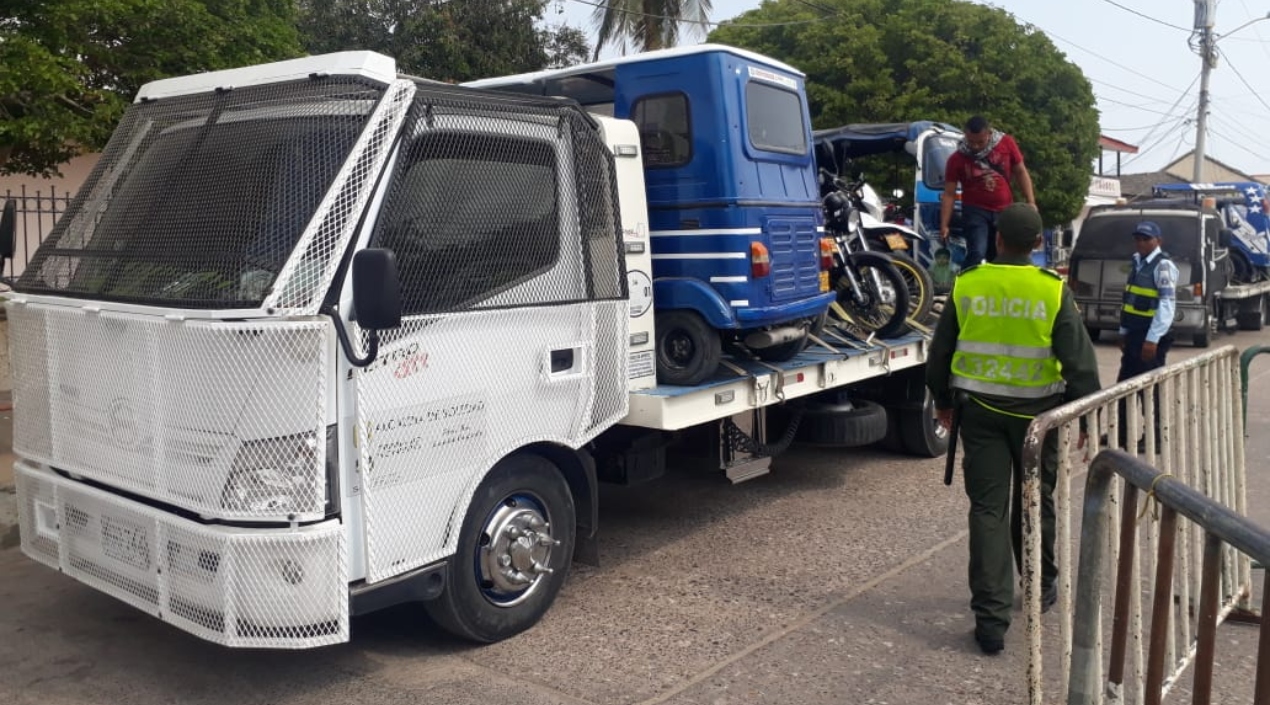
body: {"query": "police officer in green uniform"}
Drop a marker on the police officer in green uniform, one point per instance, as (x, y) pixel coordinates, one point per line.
(1010, 345)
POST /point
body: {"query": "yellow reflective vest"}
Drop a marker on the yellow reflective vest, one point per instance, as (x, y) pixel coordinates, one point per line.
(1006, 315)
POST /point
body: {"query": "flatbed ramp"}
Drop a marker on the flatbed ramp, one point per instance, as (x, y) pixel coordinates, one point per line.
(836, 359)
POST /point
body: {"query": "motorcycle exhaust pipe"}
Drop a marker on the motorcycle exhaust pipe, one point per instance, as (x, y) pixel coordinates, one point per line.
(776, 336)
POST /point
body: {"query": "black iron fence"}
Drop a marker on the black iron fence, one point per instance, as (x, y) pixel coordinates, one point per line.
(37, 212)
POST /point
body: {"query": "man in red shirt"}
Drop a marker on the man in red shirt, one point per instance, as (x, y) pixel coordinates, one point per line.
(985, 163)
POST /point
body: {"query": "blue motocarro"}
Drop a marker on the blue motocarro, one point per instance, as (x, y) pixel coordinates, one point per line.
(734, 204)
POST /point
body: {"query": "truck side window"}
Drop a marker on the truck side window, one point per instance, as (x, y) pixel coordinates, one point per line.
(774, 117)
(470, 215)
(665, 129)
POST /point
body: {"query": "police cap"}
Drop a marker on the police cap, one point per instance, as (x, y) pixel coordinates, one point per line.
(1019, 224)
(1147, 228)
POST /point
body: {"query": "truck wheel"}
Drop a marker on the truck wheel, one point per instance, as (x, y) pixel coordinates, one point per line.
(513, 553)
(843, 424)
(688, 349)
(923, 436)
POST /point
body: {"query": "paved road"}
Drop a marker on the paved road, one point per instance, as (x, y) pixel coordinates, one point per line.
(837, 579)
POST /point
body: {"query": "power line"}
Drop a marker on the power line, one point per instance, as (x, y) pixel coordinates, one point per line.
(1125, 129)
(1136, 107)
(703, 23)
(1243, 80)
(1145, 16)
(1239, 145)
(1100, 56)
(1126, 90)
(1181, 123)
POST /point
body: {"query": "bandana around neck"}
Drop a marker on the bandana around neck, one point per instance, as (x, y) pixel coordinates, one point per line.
(993, 141)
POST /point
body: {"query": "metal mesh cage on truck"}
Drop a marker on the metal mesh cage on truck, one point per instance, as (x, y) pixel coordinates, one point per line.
(198, 201)
(482, 204)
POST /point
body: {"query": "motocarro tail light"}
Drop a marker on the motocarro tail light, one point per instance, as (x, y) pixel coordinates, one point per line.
(760, 260)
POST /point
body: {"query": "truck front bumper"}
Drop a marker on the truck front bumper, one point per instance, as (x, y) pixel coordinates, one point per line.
(283, 588)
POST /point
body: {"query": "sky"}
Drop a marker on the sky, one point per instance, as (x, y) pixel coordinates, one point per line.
(1144, 75)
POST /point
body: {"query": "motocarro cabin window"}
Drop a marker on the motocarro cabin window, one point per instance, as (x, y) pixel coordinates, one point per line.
(665, 130)
(469, 216)
(775, 119)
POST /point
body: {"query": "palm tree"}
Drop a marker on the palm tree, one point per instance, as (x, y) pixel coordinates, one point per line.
(648, 24)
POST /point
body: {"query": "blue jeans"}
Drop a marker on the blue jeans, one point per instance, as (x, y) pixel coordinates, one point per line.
(979, 228)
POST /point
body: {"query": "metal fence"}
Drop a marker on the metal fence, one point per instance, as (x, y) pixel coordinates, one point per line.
(1217, 529)
(1186, 416)
(37, 211)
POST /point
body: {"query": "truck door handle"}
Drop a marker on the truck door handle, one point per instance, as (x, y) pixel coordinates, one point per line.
(561, 360)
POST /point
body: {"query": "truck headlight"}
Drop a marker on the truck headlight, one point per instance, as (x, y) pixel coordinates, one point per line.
(275, 476)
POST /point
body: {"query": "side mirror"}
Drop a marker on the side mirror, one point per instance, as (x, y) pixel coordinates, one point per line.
(8, 228)
(376, 289)
(1224, 237)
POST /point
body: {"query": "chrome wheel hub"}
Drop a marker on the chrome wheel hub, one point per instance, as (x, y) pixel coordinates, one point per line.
(514, 557)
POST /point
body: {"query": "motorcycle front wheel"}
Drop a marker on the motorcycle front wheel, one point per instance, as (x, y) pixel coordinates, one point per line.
(880, 301)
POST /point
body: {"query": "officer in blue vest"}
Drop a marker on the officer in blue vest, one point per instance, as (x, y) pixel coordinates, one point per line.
(1012, 344)
(1150, 298)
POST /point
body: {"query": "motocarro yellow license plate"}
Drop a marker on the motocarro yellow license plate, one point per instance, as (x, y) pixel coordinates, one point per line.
(896, 242)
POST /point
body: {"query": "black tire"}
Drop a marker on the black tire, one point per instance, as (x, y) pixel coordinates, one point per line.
(921, 288)
(472, 606)
(688, 349)
(922, 435)
(883, 311)
(1094, 333)
(842, 423)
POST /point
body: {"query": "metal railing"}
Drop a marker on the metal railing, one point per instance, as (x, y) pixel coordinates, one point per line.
(1220, 528)
(1196, 432)
(37, 213)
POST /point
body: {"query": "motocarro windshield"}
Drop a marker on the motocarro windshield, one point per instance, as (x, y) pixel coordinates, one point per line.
(198, 201)
(935, 153)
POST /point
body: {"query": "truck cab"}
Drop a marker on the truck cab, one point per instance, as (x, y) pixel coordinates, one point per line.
(733, 201)
(312, 333)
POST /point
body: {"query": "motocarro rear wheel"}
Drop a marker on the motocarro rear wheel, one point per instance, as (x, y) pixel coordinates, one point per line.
(688, 348)
(513, 554)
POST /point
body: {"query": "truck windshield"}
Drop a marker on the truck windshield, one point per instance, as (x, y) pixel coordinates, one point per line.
(198, 201)
(1111, 237)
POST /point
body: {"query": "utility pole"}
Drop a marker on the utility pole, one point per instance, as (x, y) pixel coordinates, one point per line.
(1205, 11)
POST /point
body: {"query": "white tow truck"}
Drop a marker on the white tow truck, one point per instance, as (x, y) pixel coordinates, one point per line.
(316, 338)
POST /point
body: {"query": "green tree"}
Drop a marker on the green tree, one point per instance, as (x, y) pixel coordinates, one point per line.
(901, 60)
(445, 40)
(69, 68)
(647, 24)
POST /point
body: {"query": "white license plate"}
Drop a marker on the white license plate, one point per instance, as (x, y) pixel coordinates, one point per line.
(125, 542)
